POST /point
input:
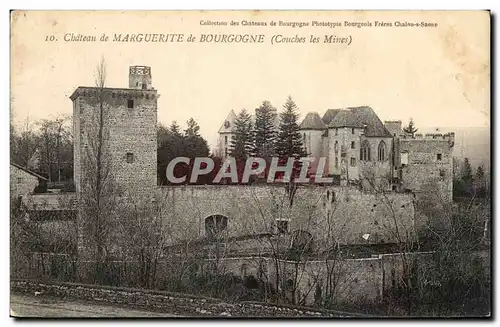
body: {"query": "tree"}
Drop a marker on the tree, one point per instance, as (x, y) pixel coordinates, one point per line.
(289, 142)
(242, 140)
(195, 145)
(99, 193)
(480, 183)
(265, 130)
(410, 129)
(56, 144)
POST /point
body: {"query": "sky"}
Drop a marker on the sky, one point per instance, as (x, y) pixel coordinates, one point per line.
(437, 76)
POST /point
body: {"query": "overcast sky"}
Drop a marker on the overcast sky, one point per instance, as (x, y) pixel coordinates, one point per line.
(439, 76)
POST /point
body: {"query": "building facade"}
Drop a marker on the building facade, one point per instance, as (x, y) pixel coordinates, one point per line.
(361, 149)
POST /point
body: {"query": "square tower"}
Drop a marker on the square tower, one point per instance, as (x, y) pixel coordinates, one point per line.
(124, 122)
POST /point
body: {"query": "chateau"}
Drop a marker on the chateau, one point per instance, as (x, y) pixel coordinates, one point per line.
(358, 146)
(253, 219)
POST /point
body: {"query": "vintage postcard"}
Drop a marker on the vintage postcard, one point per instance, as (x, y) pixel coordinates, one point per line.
(221, 164)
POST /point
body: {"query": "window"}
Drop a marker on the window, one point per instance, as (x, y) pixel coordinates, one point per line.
(130, 103)
(353, 145)
(336, 162)
(404, 158)
(225, 139)
(130, 157)
(215, 225)
(336, 147)
(439, 156)
(226, 152)
(382, 149)
(19, 180)
(353, 161)
(365, 152)
(282, 226)
(352, 131)
(442, 172)
(336, 131)
(144, 86)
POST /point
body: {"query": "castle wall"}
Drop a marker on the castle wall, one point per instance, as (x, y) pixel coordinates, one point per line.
(338, 214)
(313, 144)
(424, 170)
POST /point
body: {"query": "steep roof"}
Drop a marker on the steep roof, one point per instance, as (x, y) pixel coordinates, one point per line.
(312, 121)
(329, 115)
(228, 124)
(360, 117)
(28, 171)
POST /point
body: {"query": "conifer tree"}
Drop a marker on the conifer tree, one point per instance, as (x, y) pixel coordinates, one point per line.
(242, 141)
(289, 143)
(410, 129)
(265, 131)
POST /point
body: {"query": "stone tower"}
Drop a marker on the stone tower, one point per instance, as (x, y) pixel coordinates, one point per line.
(121, 122)
(129, 132)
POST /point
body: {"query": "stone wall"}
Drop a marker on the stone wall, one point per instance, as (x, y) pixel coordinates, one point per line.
(129, 136)
(340, 214)
(21, 182)
(424, 169)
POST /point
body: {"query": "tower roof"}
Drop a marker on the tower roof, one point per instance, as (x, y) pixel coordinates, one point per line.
(360, 117)
(329, 115)
(312, 121)
(228, 124)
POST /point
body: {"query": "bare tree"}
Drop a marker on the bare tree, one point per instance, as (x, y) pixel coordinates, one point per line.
(98, 190)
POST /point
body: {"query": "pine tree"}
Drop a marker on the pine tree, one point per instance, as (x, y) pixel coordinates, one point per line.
(242, 141)
(264, 131)
(194, 144)
(175, 129)
(289, 143)
(410, 129)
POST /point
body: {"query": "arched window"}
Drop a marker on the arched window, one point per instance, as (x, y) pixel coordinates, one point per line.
(336, 147)
(382, 151)
(365, 152)
(215, 225)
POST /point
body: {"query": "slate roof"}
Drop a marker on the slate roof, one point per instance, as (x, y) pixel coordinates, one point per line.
(329, 115)
(312, 121)
(360, 117)
(231, 117)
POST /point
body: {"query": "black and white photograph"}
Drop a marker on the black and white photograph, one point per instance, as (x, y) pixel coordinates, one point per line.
(250, 164)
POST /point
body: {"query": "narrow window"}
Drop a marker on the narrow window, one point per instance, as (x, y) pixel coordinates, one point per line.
(336, 131)
(130, 103)
(225, 139)
(439, 156)
(353, 145)
(130, 157)
(382, 149)
(365, 153)
(336, 162)
(353, 161)
(226, 152)
(352, 130)
(336, 147)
